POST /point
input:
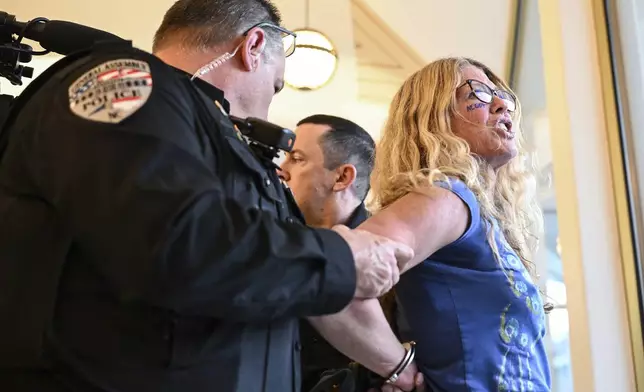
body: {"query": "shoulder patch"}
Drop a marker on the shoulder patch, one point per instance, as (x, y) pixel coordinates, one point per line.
(112, 91)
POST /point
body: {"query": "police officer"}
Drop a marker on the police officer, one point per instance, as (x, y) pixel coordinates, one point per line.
(328, 171)
(143, 246)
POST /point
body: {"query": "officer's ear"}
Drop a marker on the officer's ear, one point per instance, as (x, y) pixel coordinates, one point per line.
(252, 48)
(345, 176)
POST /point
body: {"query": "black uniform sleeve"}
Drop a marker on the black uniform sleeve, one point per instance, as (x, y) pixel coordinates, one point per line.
(153, 218)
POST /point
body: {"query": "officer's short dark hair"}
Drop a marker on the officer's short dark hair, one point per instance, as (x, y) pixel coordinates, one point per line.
(346, 142)
(202, 24)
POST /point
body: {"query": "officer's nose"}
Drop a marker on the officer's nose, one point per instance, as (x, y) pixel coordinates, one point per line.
(283, 175)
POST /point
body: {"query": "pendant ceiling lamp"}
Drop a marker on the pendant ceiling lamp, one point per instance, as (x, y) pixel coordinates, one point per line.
(314, 61)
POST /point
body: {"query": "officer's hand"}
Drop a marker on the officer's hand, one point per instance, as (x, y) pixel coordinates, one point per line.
(411, 379)
(376, 259)
(417, 385)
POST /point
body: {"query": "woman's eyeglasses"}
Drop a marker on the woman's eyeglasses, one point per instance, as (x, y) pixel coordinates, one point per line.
(485, 94)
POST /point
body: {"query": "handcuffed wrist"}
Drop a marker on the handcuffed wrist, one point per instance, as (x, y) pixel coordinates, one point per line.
(410, 353)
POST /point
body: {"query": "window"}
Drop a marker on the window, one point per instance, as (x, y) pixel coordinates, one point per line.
(626, 32)
(625, 25)
(529, 84)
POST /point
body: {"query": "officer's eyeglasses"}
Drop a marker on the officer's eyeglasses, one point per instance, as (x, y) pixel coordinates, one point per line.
(485, 94)
(288, 37)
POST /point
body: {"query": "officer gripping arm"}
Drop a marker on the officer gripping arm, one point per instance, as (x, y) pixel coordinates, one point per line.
(153, 193)
(145, 246)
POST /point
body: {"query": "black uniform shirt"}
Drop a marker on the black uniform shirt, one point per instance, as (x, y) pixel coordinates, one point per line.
(317, 354)
(146, 241)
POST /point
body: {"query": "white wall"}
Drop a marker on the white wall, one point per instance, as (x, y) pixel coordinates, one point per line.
(530, 87)
(291, 106)
(471, 28)
(129, 19)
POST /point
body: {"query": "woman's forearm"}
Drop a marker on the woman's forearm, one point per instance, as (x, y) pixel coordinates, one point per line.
(361, 332)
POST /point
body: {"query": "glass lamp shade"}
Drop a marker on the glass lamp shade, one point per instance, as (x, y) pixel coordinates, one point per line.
(313, 63)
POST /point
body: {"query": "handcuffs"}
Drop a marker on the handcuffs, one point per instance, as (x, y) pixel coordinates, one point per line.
(410, 353)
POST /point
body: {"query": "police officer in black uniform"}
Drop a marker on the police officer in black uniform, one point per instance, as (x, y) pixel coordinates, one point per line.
(330, 189)
(328, 171)
(318, 355)
(144, 247)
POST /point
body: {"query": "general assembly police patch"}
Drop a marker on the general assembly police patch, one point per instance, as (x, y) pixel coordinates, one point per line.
(112, 91)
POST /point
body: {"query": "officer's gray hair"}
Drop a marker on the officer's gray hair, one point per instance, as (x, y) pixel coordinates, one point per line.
(203, 24)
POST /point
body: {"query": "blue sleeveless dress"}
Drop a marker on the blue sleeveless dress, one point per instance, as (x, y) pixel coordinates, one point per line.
(479, 325)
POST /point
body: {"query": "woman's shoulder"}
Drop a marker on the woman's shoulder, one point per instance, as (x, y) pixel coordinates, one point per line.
(474, 237)
(460, 189)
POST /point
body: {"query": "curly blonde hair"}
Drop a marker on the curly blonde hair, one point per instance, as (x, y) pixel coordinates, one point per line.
(418, 147)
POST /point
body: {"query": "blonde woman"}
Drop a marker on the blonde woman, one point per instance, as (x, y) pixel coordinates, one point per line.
(451, 181)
